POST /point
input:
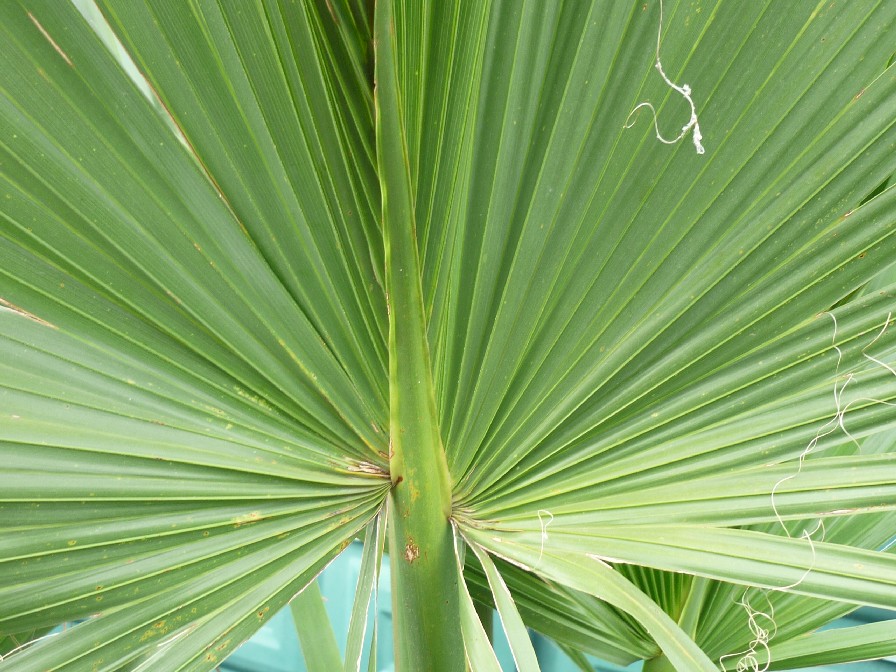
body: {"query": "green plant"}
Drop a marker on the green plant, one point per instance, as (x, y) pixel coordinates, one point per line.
(418, 263)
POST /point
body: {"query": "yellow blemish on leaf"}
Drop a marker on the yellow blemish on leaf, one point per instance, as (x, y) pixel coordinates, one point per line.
(156, 630)
(246, 518)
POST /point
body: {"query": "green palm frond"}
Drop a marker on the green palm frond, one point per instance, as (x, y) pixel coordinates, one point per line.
(276, 274)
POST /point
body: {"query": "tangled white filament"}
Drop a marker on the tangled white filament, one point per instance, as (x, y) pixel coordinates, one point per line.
(685, 90)
(748, 660)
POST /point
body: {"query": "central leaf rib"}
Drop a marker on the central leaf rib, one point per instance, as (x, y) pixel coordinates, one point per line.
(424, 592)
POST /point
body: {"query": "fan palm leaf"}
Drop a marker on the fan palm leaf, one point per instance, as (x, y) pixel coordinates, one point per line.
(275, 273)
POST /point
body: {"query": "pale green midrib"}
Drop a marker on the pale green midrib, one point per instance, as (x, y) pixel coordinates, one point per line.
(420, 537)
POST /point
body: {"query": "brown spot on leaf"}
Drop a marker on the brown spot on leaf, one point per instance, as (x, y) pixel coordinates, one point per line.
(368, 468)
(411, 551)
(4, 304)
(49, 39)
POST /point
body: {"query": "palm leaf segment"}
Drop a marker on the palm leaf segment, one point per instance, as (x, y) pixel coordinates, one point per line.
(628, 344)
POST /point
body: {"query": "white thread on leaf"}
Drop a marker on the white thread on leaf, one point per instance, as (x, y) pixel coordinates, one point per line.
(838, 421)
(876, 338)
(807, 535)
(693, 124)
(884, 365)
(748, 660)
(828, 428)
(544, 531)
